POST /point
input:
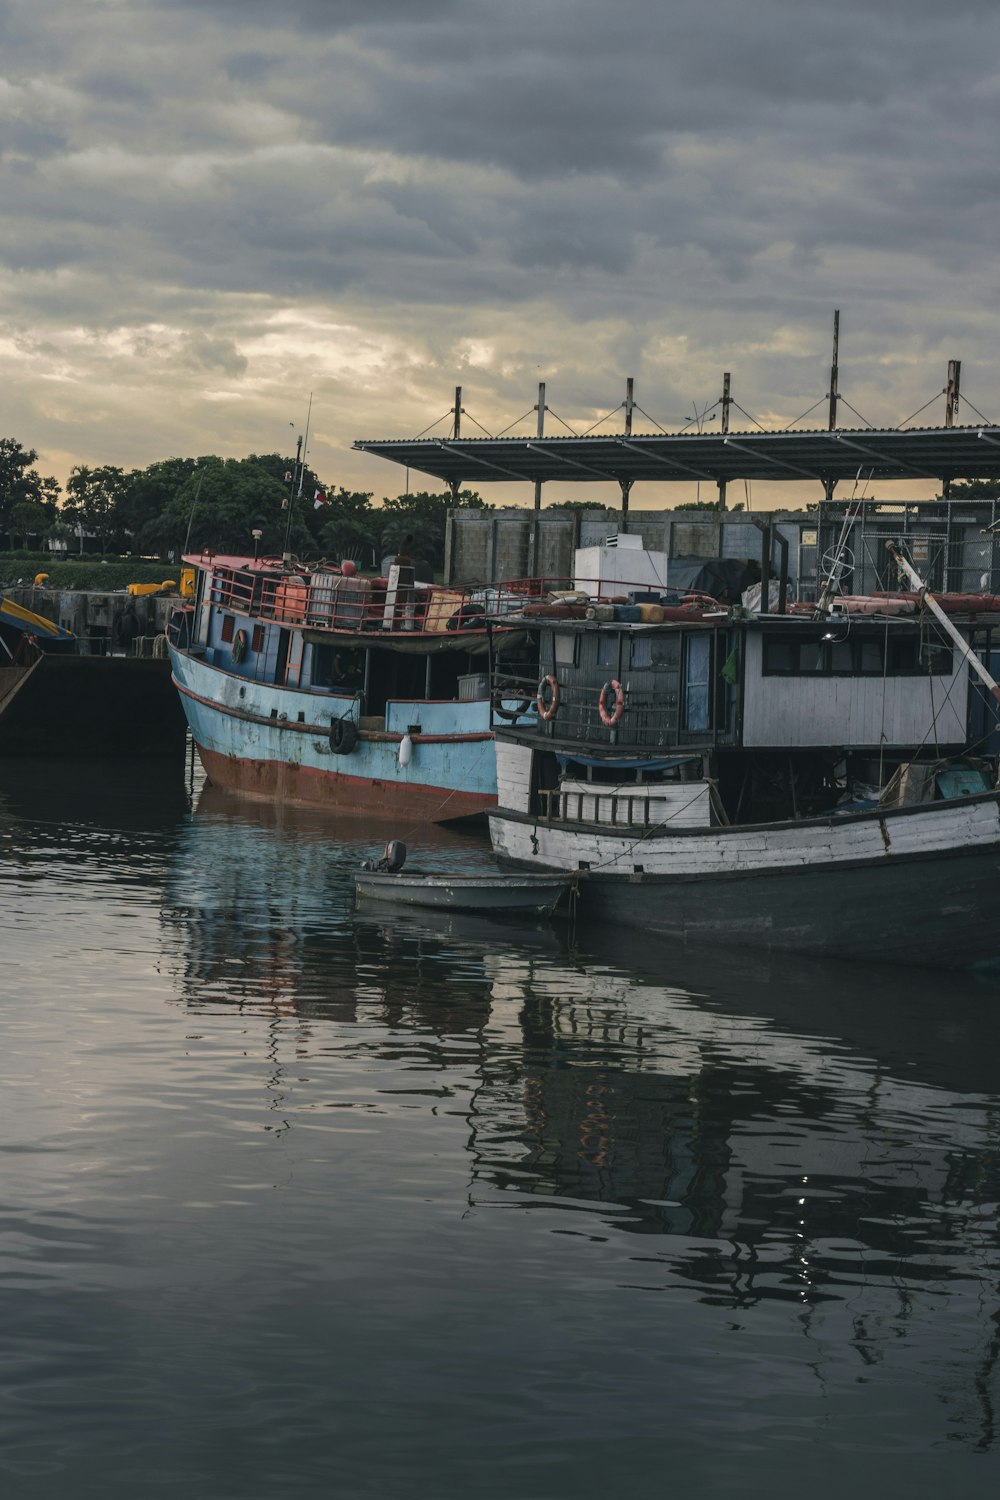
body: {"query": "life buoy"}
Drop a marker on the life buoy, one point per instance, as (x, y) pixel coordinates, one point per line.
(343, 736)
(239, 646)
(509, 690)
(547, 707)
(611, 719)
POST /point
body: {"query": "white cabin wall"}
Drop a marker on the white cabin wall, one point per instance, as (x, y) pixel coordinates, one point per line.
(789, 712)
(513, 776)
(685, 804)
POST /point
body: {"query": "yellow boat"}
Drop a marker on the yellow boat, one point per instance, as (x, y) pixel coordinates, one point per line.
(23, 621)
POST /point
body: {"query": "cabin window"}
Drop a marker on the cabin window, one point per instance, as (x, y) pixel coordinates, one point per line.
(565, 650)
(323, 673)
(607, 650)
(811, 656)
(847, 654)
(871, 658)
(698, 655)
(666, 650)
(228, 627)
(937, 660)
(920, 658)
(642, 651)
(779, 655)
(257, 643)
(841, 657)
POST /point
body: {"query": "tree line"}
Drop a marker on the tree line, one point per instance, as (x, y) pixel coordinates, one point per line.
(189, 504)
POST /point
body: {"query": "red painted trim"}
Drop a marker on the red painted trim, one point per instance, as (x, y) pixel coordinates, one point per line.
(276, 781)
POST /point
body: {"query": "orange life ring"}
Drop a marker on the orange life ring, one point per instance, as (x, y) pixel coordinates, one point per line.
(547, 709)
(611, 719)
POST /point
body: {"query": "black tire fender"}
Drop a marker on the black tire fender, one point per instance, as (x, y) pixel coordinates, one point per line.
(343, 736)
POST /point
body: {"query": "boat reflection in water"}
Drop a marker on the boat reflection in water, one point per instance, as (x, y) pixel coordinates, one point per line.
(261, 910)
(756, 1131)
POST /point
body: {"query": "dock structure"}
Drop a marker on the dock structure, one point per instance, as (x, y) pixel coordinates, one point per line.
(938, 455)
(955, 538)
(957, 545)
(718, 457)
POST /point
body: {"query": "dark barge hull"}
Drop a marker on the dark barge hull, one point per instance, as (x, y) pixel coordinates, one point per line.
(915, 885)
(69, 706)
(930, 910)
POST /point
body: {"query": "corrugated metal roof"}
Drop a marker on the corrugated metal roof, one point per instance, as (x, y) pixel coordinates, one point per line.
(933, 453)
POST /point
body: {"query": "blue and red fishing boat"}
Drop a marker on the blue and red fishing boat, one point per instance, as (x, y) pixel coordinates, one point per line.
(321, 685)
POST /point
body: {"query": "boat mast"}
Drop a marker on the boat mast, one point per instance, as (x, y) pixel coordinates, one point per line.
(832, 581)
(927, 598)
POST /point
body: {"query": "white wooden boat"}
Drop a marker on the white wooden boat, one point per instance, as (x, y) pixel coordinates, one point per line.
(715, 790)
(490, 894)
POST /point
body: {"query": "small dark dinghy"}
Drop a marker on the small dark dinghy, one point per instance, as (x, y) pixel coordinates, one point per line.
(493, 894)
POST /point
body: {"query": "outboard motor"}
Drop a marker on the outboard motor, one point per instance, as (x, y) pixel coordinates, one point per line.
(392, 860)
(395, 856)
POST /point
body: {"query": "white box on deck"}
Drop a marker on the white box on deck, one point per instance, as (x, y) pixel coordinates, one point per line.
(627, 562)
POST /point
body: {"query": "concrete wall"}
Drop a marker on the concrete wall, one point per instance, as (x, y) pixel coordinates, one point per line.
(90, 613)
(491, 546)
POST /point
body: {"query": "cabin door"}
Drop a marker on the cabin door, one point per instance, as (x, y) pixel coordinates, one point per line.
(293, 669)
(281, 657)
(697, 682)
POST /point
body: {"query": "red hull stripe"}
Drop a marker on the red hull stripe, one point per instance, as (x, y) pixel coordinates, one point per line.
(280, 781)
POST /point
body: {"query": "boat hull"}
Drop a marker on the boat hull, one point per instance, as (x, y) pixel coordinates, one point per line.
(918, 885)
(537, 895)
(274, 743)
(69, 706)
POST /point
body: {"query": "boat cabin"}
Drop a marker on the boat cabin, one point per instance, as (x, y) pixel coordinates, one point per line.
(779, 715)
(330, 633)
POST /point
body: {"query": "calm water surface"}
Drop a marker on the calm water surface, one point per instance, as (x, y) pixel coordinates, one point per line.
(297, 1202)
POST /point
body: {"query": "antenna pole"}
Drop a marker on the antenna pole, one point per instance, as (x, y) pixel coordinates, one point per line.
(194, 506)
(727, 402)
(291, 495)
(540, 432)
(835, 371)
(951, 409)
(834, 392)
(951, 391)
(304, 447)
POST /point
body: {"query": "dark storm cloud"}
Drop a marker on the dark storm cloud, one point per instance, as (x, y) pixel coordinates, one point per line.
(485, 182)
(320, 15)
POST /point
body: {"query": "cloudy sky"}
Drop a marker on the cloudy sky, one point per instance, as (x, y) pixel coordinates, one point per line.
(213, 208)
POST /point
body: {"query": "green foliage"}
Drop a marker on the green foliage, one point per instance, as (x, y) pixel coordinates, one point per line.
(94, 500)
(423, 517)
(216, 504)
(349, 527)
(605, 511)
(28, 518)
(213, 503)
(148, 494)
(83, 573)
(21, 485)
(975, 489)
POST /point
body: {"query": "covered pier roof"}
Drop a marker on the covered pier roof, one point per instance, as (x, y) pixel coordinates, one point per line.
(936, 453)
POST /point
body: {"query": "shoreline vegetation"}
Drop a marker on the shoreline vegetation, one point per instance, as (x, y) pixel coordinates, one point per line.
(179, 505)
